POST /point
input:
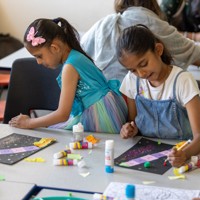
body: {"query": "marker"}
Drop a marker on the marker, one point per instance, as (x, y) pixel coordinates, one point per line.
(187, 167)
(98, 196)
(62, 154)
(65, 162)
(178, 149)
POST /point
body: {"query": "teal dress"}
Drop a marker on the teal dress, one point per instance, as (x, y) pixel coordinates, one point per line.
(98, 104)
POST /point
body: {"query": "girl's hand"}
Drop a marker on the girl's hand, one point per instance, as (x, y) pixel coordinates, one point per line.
(177, 158)
(128, 130)
(20, 121)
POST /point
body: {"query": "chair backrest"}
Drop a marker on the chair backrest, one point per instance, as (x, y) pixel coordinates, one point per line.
(31, 87)
(198, 82)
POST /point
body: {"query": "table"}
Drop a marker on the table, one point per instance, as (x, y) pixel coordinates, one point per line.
(13, 190)
(6, 63)
(46, 174)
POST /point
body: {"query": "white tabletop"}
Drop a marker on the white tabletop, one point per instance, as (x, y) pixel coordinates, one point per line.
(6, 63)
(13, 190)
(68, 177)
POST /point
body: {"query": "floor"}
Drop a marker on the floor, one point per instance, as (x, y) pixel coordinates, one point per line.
(4, 94)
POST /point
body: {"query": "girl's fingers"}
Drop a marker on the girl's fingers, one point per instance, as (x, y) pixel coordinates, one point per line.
(132, 124)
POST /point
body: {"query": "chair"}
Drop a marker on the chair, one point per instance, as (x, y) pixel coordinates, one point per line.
(198, 82)
(4, 82)
(32, 87)
(2, 109)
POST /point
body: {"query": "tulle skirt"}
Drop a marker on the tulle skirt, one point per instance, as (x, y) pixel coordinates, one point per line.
(107, 116)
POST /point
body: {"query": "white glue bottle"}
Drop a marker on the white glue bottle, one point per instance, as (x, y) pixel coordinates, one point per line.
(78, 132)
(109, 156)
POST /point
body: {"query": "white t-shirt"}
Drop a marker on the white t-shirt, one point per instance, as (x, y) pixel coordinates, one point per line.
(186, 87)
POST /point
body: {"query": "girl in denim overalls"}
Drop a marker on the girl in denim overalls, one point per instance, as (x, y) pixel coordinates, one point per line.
(163, 100)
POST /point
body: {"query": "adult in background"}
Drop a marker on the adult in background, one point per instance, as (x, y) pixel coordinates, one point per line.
(100, 41)
(184, 15)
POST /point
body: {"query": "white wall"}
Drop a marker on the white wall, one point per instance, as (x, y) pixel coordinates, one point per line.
(16, 15)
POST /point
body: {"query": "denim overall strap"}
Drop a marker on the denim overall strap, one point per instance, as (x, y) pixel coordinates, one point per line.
(174, 86)
(137, 84)
(182, 114)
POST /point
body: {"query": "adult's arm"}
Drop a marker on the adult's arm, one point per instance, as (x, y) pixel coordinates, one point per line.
(184, 51)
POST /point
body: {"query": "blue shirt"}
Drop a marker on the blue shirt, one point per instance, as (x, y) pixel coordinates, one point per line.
(92, 85)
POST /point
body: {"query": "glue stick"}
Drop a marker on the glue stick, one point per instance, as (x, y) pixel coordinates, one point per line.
(187, 167)
(80, 145)
(62, 154)
(109, 156)
(65, 162)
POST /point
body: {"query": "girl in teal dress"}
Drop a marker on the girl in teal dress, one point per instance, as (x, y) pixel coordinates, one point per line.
(86, 96)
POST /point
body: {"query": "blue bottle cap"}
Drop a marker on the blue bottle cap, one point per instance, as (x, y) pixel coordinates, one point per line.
(109, 169)
(130, 191)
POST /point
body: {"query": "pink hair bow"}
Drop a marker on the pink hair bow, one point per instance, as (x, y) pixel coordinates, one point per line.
(35, 40)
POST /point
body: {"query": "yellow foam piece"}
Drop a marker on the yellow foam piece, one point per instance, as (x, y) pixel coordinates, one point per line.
(34, 159)
(180, 144)
(74, 156)
(177, 177)
(148, 182)
(176, 172)
(92, 139)
(44, 142)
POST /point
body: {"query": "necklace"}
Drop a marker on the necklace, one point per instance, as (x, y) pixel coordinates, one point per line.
(163, 87)
(149, 91)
